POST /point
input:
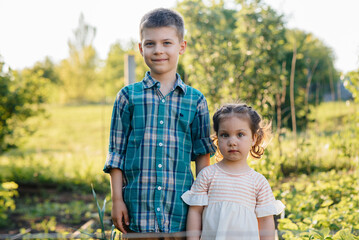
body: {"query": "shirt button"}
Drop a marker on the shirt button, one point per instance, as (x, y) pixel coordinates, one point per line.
(163, 100)
(158, 209)
(160, 144)
(159, 165)
(159, 188)
(161, 122)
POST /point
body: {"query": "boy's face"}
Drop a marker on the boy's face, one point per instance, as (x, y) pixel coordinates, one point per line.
(160, 48)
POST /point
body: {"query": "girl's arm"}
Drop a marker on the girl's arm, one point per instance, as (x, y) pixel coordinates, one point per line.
(202, 161)
(194, 222)
(119, 210)
(266, 228)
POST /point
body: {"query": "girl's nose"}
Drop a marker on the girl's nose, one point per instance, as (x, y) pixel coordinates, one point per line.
(231, 142)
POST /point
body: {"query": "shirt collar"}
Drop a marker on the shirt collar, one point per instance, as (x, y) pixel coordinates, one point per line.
(149, 82)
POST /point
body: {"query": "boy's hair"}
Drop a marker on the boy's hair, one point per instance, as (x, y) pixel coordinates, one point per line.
(258, 127)
(163, 17)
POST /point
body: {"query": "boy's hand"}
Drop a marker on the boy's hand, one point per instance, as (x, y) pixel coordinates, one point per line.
(120, 216)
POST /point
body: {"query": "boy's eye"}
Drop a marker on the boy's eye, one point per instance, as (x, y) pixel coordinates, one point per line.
(148, 44)
(224, 135)
(240, 134)
(167, 43)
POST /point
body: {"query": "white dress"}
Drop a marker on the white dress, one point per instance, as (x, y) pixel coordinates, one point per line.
(233, 202)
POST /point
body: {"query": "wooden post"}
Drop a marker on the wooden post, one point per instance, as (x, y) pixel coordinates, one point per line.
(130, 67)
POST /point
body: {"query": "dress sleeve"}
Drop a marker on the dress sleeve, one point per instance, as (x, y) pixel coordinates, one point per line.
(201, 130)
(119, 132)
(266, 204)
(198, 195)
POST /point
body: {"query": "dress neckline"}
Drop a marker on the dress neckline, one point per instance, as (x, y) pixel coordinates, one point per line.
(235, 174)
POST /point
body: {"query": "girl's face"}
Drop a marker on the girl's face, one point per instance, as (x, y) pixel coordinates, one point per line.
(235, 139)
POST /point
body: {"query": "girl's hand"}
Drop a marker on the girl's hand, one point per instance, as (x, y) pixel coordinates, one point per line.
(120, 216)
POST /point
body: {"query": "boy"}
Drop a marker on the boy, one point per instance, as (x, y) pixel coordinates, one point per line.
(158, 126)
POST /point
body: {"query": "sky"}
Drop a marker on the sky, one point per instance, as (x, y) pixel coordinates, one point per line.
(30, 30)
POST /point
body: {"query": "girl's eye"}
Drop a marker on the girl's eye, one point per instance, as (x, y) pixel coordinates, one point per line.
(148, 44)
(167, 43)
(224, 135)
(240, 134)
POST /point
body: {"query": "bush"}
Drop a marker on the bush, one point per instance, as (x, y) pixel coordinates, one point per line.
(21, 97)
(7, 194)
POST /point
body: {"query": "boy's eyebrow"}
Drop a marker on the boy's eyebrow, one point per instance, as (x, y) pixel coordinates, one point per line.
(166, 39)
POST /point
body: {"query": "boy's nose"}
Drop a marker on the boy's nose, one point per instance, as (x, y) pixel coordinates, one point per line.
(158, 49)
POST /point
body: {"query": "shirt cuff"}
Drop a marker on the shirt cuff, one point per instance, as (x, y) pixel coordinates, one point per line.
(203, 146)
(113, 160)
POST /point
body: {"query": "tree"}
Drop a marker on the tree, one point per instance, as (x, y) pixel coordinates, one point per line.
(314, 72)
(261, 40)
(208, 61)
(78, 73)
(244, 51)
(352, 84)
(21, 97)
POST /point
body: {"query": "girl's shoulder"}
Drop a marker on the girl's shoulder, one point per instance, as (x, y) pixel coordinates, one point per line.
(258, 177)
(208, 170)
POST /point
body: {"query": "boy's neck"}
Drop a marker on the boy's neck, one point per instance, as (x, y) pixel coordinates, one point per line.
(167, 81)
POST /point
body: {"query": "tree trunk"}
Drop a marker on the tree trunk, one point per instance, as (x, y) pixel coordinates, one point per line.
(331, 83)
(280, 99)
(309, 80)
(292, 104)
(291, 89)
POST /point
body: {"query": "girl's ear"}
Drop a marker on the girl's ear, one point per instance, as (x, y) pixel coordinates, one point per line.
(254, 139)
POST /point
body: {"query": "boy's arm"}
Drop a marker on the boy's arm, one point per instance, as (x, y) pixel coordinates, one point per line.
(202, 161)
(194, 222)
(119, 210)
(266, 228)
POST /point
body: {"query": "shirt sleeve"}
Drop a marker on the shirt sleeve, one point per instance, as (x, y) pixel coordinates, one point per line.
(266, 204)
(198, 195)
(119, 132)
(201, 130)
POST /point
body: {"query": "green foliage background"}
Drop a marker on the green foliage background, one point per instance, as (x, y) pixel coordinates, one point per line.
(58, 116)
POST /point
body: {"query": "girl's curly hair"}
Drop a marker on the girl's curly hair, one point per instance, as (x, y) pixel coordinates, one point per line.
(259, 128)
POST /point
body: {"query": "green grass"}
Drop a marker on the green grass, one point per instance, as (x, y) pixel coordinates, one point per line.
(68, 150)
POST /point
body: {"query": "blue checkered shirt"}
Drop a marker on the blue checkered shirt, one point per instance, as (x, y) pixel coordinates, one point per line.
(153, 139)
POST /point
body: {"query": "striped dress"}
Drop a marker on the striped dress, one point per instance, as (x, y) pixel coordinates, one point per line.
(233, 202)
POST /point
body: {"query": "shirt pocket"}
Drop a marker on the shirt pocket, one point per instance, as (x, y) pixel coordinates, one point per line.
(183, 116)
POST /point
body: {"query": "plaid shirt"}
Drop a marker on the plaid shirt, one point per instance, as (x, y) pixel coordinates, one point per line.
(153, 139)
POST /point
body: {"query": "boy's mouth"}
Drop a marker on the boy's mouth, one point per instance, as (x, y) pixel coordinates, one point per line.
(159, 60)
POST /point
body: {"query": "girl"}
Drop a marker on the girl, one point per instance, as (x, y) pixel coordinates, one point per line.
(229, 200)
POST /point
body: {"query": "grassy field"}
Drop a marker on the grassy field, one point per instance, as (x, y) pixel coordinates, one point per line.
(68, 150)
(317, 177)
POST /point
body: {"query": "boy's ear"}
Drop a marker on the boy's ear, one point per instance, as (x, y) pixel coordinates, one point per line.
(140, 48)
(183, 47)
